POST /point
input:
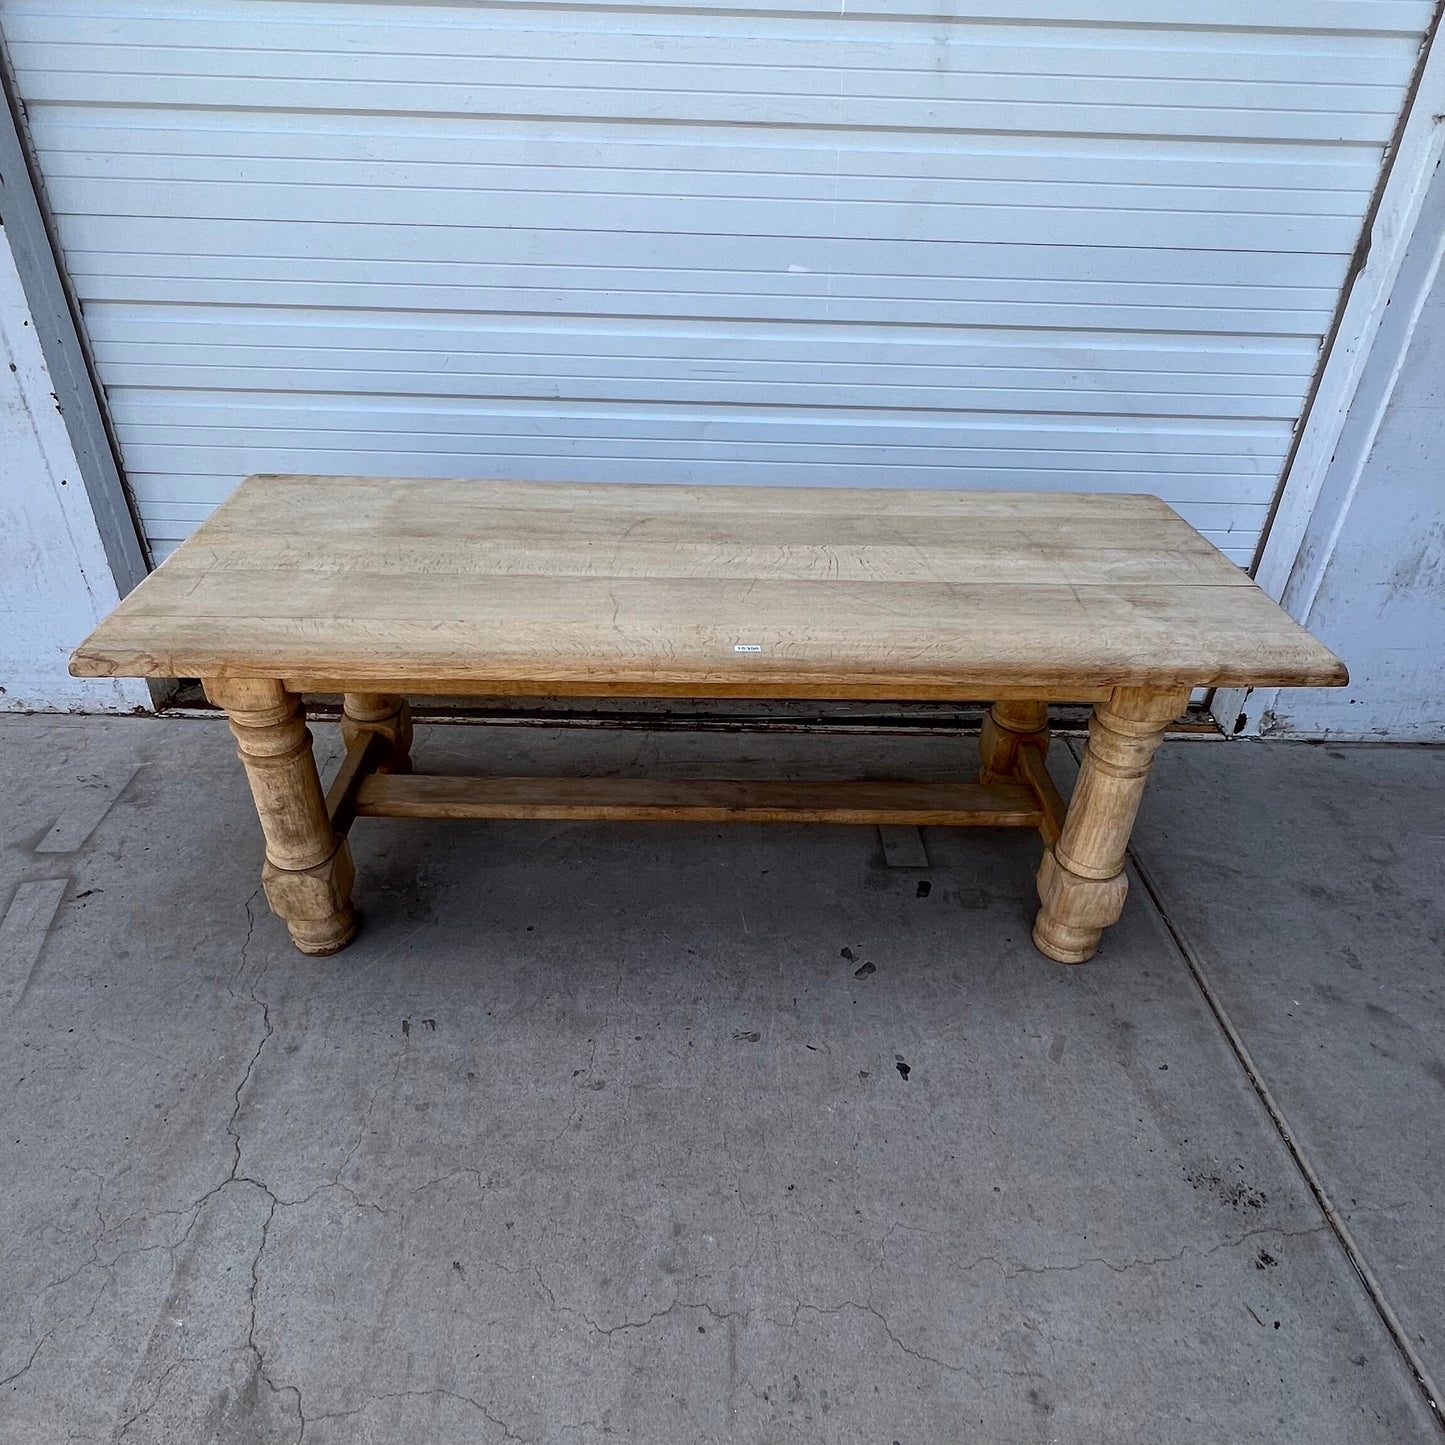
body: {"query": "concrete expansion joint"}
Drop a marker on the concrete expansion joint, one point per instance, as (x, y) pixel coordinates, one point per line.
(1336, 1221)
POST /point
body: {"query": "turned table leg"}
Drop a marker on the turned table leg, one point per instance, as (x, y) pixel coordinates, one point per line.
(384, 713)
(1006, 727)
(308, 873)
(1081, 880)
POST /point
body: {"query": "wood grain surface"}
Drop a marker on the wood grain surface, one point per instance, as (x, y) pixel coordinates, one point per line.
(472, 586)
(661, 800)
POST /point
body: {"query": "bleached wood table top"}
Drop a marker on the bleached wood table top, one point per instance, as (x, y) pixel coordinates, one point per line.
(519, 587)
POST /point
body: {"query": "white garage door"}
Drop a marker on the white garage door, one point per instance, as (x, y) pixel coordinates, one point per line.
(1095, 244)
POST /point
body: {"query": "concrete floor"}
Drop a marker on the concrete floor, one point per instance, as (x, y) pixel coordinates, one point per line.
(609, 1132)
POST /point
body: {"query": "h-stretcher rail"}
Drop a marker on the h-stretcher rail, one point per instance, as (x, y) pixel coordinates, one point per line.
(363, 793)
(374, 781)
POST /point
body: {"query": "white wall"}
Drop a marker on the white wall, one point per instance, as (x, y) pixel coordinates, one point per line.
(835, 242)
(1381, 598)
(55, 582)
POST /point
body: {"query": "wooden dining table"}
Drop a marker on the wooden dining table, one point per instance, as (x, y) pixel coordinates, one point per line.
(381, 588)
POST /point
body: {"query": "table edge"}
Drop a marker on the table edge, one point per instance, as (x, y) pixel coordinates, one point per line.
(800, 683)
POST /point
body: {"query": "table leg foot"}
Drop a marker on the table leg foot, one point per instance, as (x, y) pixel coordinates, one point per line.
(1081, 880)
(315, 902)
(1075, 911)
(308, 871)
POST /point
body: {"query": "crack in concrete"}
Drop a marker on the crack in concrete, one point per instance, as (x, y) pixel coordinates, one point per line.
(231, 1124)
(39, 1345)
(578, 1093)
(366, 1121)
(254, 1348)
(251, 1343)
(1023, 1269)
(1144, 1261)
(1007, 1269)
(160, 1385)
(195, 1210)
(508, 1433)
(192, 1213)
(245, 942)
(482, 1183)
(882, 1320)
(608, 1330)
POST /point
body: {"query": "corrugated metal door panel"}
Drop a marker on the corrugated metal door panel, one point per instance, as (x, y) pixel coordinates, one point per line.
(1084, 244)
